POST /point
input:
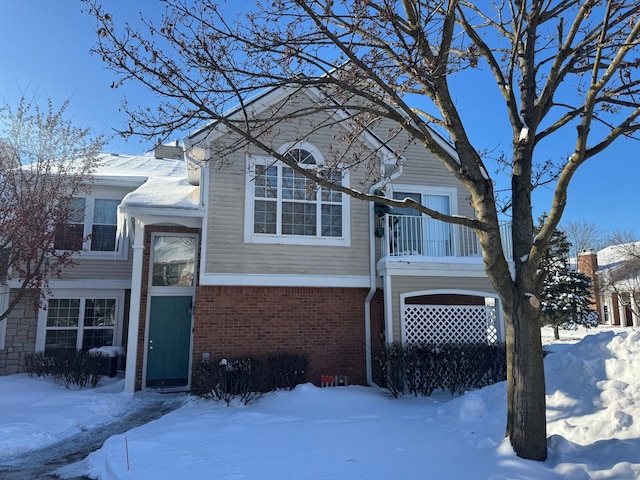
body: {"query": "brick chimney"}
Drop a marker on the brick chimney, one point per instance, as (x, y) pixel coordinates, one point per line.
(588, 264)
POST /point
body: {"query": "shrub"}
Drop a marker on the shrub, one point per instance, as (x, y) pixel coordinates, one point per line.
(420, 369)
(246, 377)
(391, 361)
(70, 367)
(38, 364)
(285, 370)
(222, 379)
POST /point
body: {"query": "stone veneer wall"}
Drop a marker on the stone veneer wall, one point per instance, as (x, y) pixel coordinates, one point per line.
(22, 327)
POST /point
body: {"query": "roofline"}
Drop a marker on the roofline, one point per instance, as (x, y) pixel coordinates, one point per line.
(211, 126)
(282, 92)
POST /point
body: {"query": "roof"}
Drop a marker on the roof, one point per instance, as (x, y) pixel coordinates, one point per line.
(271, 95)
(161, 182)
(142, 166)
(614, 255)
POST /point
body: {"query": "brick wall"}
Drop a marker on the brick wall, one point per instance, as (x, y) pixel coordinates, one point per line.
(588, 264)
(327, 324)
(22, 326)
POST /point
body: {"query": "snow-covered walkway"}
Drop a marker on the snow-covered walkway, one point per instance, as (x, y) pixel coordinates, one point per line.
(593, 401)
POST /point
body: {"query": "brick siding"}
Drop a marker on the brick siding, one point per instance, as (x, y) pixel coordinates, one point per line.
(588, 264)
(327, 324)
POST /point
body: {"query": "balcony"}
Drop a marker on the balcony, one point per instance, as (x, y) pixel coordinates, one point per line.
(421, 236)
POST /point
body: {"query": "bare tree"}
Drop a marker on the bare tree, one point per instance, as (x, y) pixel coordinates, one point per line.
(622, 277)
(583, 236)
(44, 162)
(563, 69)
(622, 237)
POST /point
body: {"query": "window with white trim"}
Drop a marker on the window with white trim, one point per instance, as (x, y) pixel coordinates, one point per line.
(79, 323)
(91, 225)
(418, 234)
(285, 204)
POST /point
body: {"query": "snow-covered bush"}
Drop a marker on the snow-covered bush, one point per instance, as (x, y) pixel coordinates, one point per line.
(247, 377)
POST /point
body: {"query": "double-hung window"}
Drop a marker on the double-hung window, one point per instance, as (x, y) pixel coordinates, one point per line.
(288, 207)
(91, 226)
(70, 235)
(104, 225)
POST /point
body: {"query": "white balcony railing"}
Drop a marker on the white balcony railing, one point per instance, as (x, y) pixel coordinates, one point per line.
(421, 236)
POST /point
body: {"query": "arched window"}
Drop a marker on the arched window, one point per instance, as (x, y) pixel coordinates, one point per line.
(301, 156)
(288, 204)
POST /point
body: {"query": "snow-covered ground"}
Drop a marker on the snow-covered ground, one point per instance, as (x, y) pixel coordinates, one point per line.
(593, 412)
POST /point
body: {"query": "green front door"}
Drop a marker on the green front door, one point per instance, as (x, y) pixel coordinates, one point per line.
(169, 341)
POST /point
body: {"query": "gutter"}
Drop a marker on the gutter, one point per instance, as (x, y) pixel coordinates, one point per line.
(372, 279)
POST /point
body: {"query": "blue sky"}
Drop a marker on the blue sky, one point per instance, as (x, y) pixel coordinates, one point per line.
(44, 50)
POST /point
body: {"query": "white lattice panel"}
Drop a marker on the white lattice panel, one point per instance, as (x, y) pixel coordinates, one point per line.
(450, 324)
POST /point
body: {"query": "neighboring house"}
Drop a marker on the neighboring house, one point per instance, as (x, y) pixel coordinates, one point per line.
(89, 306)
(224, 257)
(615, 271)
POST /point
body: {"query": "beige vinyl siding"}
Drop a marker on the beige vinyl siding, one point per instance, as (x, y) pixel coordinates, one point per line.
(228, 254)
(104, 268)
(422, 168)
(406, 284)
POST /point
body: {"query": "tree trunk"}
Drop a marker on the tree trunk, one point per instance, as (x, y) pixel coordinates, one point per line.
(526, 402)
(556, 332)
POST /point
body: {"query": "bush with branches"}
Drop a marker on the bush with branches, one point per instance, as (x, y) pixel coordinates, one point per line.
(69, 367)
(422, 368)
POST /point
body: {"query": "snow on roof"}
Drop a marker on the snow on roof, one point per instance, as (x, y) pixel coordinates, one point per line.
(163, 181)
(139, 165)
(168, 192)
(614, 254)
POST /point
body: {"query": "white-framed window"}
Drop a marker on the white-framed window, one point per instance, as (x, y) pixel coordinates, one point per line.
(426, 235)
(91, 226)
(284, 206)
(74, 322)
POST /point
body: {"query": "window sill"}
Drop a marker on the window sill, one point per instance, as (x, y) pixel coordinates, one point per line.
(91, 255)
(298, 240)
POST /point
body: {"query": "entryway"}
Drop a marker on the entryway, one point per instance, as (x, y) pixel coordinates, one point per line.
(169, 341)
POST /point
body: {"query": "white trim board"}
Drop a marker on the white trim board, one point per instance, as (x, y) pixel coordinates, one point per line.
(264, 280)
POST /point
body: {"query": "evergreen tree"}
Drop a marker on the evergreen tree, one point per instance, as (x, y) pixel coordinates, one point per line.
(565, 300)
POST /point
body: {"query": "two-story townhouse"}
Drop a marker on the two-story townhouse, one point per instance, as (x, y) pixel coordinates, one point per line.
(287, 267)
(238, 254)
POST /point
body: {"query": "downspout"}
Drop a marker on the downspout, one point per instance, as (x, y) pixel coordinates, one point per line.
(372, 279)
(372, 291)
